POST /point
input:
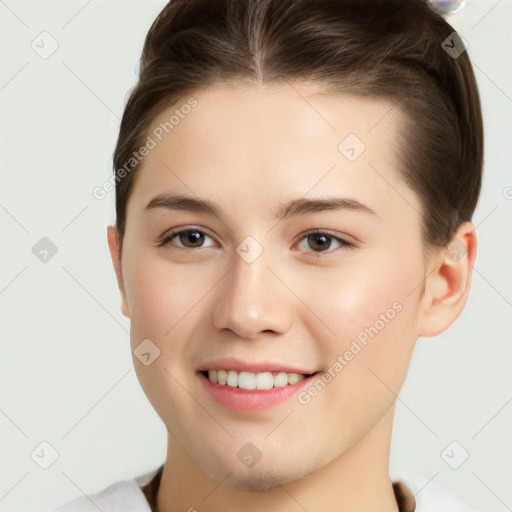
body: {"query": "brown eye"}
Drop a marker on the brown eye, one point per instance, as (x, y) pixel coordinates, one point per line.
(320, 242)
(191, 238)
(185, 239)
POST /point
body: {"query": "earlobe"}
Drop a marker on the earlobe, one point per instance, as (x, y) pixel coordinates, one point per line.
(448, 283)
(114, 246)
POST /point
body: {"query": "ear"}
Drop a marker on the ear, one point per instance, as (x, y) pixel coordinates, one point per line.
(448, 283)
(114, 244)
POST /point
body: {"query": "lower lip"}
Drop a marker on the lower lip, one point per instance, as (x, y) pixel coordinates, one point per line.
(246, 400)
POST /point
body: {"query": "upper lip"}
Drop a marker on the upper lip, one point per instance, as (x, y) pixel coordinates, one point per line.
(238, 365)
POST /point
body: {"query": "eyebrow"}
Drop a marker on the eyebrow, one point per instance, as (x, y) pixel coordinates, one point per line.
(293, 208)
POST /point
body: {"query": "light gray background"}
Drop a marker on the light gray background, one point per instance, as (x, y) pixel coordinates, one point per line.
(66, 372)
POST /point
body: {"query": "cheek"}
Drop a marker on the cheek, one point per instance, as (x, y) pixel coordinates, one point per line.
(160, 295)
(162, 298)
(371, 310)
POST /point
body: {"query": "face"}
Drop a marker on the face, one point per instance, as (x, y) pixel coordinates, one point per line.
(302, 280)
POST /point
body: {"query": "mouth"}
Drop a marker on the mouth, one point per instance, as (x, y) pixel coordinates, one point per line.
(250, 381)
(244, 391)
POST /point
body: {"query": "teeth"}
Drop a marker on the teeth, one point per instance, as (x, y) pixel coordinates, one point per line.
(293, 378)
(222, 376)
(246, 380)
(232, 379)
(280, 380)
(264, 380)
(250, 381)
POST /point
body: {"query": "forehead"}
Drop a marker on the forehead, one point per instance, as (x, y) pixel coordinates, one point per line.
(298, 114)
(244, 144)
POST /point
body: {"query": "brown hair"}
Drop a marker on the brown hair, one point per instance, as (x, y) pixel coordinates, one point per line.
(388, 49)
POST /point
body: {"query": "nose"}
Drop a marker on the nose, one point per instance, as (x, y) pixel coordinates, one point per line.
(252, 300)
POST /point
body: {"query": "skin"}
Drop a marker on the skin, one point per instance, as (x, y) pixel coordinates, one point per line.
(249, 150)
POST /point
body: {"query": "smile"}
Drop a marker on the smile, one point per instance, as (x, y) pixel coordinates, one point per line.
(252, 388)
(252, 381)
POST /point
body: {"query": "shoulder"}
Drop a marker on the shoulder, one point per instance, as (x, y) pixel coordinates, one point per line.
(431, 497)
(123, 496)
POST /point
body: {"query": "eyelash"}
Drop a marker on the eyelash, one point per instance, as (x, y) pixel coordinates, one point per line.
(344, 244)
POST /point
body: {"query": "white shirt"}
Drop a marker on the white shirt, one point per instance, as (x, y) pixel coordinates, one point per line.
(127, 496)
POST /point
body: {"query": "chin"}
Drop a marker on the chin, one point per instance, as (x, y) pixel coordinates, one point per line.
(258, 479)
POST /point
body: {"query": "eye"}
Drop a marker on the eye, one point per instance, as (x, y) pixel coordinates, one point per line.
(320, 241)
(187, 238)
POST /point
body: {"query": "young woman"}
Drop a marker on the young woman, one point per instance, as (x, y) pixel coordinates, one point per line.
(295, 182)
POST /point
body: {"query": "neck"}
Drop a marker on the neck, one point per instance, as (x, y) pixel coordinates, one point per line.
(355, 481)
